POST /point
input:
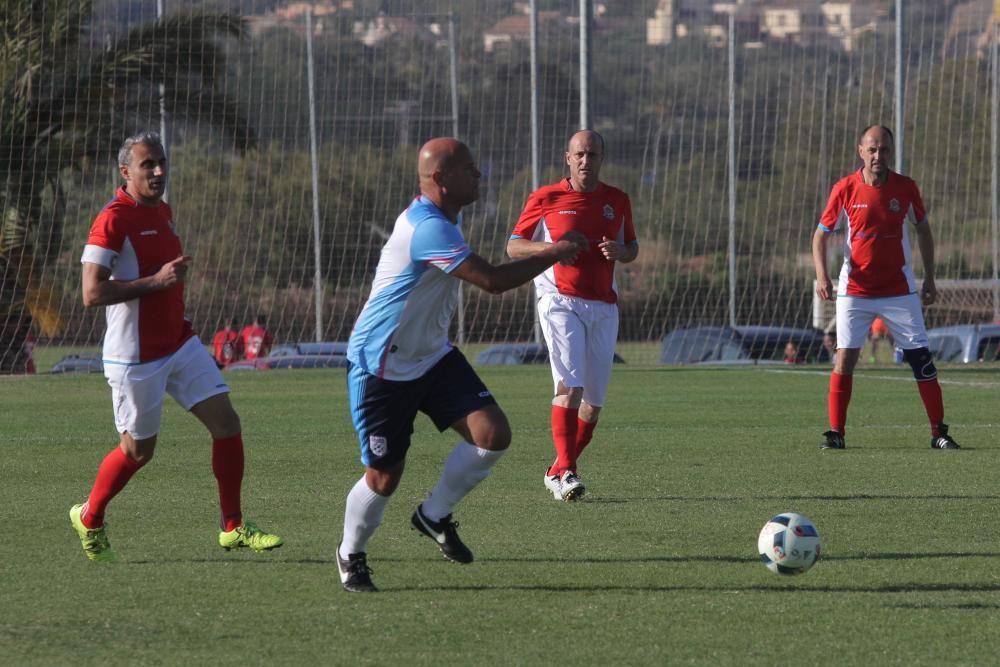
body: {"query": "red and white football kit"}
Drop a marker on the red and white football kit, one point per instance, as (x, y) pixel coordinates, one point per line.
(256, 342)
(877, 281)
(877, 275)
(149, 346)
(134, 241)
(577, 304)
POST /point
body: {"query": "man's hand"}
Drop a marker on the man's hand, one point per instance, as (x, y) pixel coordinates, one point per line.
(173, 272)
(928, 293)
(612, 249)
(824, 289)
(571, 241)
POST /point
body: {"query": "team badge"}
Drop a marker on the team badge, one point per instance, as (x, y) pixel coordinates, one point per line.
(378, 445)
(894, 205)
(609, 212)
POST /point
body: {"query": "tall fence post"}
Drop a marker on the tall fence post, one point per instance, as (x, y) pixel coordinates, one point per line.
(536, 168)
(731, 159)
(585, 14)
(314, 159)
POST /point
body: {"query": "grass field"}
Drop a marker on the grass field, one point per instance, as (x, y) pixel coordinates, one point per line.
(658, 567)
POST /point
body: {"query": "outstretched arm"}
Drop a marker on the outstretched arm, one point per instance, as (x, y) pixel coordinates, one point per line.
(497, 279)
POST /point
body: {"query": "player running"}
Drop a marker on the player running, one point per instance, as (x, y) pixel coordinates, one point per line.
(133, 263)
(578, 304)
(401, 361)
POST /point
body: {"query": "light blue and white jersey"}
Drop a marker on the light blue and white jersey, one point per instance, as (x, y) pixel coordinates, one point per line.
(403, 329)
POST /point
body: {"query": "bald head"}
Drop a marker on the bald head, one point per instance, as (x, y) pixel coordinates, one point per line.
(440, 154)
(875, 151)
(448, 174)
(585, 137)
(584, 156)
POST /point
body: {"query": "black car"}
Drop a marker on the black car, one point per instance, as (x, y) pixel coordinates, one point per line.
(507, 354)
(742, 345)
(290, 361)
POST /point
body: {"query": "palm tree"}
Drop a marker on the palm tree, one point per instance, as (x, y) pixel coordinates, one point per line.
(67, 101)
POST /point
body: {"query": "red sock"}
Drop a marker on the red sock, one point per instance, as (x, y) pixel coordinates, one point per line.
(837, 401)
(584, 433)
(227, 464)
(930, 394)
(114, 473)
(564, 438)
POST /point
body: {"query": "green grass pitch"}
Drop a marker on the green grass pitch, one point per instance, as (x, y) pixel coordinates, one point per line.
(657, 567)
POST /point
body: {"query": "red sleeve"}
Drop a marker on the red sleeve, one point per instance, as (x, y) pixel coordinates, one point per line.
(105, 233)
(532, 214)
(834, 207)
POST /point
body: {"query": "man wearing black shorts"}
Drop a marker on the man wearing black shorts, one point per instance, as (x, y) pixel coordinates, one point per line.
(401, 361)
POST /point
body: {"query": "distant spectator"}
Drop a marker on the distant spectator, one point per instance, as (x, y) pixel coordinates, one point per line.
(256, 340)
(227, 346)
(792, 353)
(28, 350)
(830, 343)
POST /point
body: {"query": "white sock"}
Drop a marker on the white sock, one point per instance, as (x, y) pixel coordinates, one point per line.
(467, 466)
(362, 516)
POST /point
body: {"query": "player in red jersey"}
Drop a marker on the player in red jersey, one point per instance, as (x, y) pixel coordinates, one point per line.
(227, 345)
(257, 341)
(577, 303)
(133, 263)
(873, 205)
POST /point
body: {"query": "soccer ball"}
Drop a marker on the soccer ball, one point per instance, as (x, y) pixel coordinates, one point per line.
(788, 544)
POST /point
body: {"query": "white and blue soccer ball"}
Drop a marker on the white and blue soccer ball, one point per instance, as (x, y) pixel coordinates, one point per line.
(788, 544)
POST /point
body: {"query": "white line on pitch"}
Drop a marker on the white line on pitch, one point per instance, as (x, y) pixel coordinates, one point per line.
(893, 378)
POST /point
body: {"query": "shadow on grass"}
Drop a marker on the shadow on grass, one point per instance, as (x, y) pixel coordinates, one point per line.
(755, 588)
(850, 498)
(590, 560)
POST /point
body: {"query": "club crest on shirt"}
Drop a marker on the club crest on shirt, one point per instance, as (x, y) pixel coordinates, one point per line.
(894, 205)
(378, 445)
(609, 212)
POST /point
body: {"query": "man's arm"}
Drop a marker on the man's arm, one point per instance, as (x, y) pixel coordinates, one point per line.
(925, 239)
(824, 287)
(99, 290)
(497, 279)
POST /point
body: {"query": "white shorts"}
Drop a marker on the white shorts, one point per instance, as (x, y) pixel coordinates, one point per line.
(581, 336)
(137, 390)
(902, 314)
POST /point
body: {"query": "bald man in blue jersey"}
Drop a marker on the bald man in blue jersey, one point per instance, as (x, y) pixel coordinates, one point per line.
(402, 363)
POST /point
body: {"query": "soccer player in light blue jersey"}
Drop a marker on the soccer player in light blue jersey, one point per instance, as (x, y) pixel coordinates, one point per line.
(401, 361)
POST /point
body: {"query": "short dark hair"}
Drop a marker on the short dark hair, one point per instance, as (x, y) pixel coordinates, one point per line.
(885, 129)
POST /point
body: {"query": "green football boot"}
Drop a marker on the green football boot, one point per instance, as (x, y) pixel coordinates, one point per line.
(94, 540)
(249, 535)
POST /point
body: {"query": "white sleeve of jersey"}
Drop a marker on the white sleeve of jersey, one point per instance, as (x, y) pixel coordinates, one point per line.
(95, 254)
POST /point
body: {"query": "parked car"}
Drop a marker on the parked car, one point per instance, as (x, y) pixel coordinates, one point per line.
(78, 363)
(751, 344)
(965, 343)
(305, 348)
(507, 354)
(290, 361)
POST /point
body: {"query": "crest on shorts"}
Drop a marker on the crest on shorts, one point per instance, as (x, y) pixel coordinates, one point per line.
(609, 212)
(378, 444)
(894, 205)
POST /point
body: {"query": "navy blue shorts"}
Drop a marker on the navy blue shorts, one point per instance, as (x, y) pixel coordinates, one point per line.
(383, 411)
